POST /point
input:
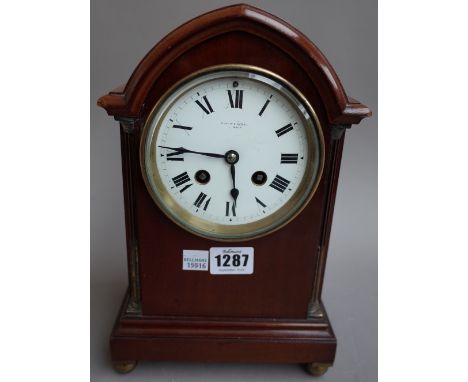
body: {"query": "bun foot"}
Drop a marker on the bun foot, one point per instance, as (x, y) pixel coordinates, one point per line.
(124, 367)
(316, 369)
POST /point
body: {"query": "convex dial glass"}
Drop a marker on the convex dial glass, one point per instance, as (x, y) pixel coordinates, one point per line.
(232, 153)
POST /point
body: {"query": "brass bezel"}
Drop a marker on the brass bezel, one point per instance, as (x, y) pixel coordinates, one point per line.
(242, 232)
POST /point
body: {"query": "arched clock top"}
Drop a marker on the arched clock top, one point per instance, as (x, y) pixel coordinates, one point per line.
(128, 100)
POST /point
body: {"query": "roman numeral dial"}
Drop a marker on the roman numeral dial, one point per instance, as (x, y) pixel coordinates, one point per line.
(284, 130)
(289, 158)
(279, 183)
(182, 127)
(230, 209)
(200, 199)
(264, 107)
(236, 101)
(260, 202)
(181, 180)
(174, 156)
(205, 105)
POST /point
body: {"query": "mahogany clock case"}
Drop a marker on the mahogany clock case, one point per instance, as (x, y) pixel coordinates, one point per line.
(267, 295)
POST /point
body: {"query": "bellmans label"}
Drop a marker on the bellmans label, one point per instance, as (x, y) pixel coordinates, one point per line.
(194, 260)
(231, 261)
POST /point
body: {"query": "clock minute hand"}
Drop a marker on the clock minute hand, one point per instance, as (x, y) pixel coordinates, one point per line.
(184, 150)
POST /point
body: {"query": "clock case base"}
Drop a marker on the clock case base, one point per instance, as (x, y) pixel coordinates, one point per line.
(163, 338)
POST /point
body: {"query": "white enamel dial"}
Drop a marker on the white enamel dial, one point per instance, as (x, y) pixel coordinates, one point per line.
(232, 154)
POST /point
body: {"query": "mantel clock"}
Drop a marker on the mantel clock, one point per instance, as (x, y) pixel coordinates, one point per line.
(232, 129)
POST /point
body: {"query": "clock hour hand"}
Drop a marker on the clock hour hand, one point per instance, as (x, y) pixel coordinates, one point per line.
(182, 150)
(234, 191)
